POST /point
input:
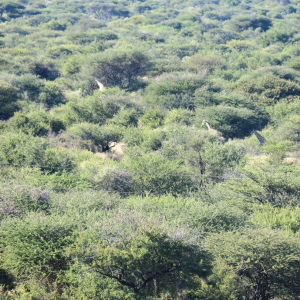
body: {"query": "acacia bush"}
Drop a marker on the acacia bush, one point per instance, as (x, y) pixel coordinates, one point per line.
(153, 174)
(28, 151)
(256, 260)
(121, 193)
(268, 89)
(44, 70)
(230, 121)
(121, 68)
(174, 90)
(51, 95)
(152, 118)
(94, 135)
(44, 268)
(19, 200)
(241, 23)
(131, 261)
(9, 96)
(200, 63)
(37, 123)
(278, 190)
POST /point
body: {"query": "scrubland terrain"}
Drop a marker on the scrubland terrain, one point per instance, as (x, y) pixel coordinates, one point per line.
(111, 185)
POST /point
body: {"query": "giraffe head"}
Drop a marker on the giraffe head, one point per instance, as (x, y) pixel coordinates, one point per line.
(204, 122)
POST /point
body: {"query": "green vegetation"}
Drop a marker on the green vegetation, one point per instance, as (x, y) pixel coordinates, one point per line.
(112, 186)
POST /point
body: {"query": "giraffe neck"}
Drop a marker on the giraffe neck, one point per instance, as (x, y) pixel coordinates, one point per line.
(101, 86)
(261, 139)
(209, 126)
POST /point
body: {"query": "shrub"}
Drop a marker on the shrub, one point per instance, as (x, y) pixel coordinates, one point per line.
(182, 116)
(203, 63)
(60, 51)
(241, 23)
(9, 96)
(279, 71)
(133, 258)
(98, 108)
(85, 24)
(174, 90)
(37, 123)
(55, 25)
(126, 118)
(51, 94)
(21, 149)
(260, 185)
(277, 218)
(121, 68)
(28, 84)
(257, 262)
(44, 268)
(118, 180)
(16, 200)
(154, 174)
(268, 89)
(43, 70)
(273, 36)
(230, 121)
(294, 63)
(152, 118)
(72, 66)
(95, 135)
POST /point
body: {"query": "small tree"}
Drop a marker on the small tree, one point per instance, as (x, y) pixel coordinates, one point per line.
(266, 263)
(34, 251)
(263, 186)
(230, 121)
(148, 262)
(51, 94)
(121, 68)
(95, 135)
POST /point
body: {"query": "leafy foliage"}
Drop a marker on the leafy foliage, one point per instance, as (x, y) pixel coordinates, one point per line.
(111, 184)
(8, 100)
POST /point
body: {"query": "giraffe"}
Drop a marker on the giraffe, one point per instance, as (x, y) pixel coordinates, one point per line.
(261, 139)
(214, 131)
(205, 122)
(101, 86)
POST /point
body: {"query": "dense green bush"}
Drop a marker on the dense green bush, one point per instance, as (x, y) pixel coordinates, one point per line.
(134, 261)
(51, 94)
(43, 70)
(174, 91)
(94, 135)
(36, 123)
(9, 96)
(121, 68)
(153, 174)
(152, 118)
(25, 150)
(183, 116)
(119, 192)
(280, 189)
(203, 63)
(230, 121)
(268, 89)
(19, 200)
(241, 23)
(44, 268)
(256, 260)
